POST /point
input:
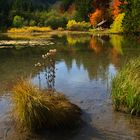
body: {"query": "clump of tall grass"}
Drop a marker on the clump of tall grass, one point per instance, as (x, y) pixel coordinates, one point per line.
(35, 109)
(126, 88)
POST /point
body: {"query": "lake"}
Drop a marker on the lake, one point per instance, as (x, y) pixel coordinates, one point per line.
(85, 65)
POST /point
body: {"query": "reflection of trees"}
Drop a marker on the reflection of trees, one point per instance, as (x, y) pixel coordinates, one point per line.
(72, 39)
(16, 63)
(116, 49)
(107, 49)
(95, 63)
(95, 44)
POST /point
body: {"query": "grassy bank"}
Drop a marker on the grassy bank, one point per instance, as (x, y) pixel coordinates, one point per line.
(41, 30)
(126, 88)
(35, 109)
(30, 29)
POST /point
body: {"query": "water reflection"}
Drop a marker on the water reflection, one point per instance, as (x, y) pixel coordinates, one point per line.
(84, 68)
(96, 44)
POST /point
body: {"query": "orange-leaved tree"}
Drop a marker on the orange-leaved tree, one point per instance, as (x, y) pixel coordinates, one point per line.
(116, 8)
(96, 17)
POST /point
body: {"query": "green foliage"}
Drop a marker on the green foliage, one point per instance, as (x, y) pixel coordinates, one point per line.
(51, 18)
(56, 21)
(4, 13)
(78, 26)
(18, 21)
(25, 23)
(66, 3)
(32, 22)
(83, 8)
(116, 27)
(126, 88)
(36, 109)
(131, 22)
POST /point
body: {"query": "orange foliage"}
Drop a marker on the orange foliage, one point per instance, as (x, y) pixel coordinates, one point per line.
(95, 17)
(116, 9)
(95, 45)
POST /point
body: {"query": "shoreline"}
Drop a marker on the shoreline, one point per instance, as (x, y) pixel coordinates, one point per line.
(43, 30)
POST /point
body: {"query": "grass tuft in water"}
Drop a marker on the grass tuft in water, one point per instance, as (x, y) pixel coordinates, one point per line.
(126, 88)
(35, 109)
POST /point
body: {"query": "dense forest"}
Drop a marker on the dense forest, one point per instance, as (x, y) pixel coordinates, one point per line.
(56, 13)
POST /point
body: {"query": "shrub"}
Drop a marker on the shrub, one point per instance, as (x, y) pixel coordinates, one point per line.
(60, 29)
(116, 27)
(78, 26)
(32, 23)
(25, 23)
(56, 22)
(35, 109)
(126, 88)
(18, 21)
(29, 29)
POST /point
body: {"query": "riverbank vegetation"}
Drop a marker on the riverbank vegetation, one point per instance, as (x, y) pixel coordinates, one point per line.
(31, 29)
(35, 109)
(126, 88)
(120, 15)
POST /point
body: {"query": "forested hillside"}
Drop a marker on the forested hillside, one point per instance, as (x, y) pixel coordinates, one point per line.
(121, 15)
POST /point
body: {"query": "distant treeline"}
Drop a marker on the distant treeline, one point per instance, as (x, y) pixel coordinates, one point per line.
(57, 13)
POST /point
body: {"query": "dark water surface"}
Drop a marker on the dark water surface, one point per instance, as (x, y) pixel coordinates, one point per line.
(85, 66)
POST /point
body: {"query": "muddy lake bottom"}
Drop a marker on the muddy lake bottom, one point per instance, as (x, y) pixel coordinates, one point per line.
(85, 66)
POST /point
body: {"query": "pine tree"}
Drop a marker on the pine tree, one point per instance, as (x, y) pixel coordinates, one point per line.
(83, 7)
(131, 22)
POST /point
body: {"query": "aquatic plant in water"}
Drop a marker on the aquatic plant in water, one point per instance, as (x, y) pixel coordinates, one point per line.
(35, 109)
(126, 88)
(48, 64)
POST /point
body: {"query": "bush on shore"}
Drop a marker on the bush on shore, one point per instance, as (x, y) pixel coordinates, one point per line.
(117, 26)
(18, 21)
(35, 109)
(29, 29)
(78, 26)
(53, 19)
(126, 88)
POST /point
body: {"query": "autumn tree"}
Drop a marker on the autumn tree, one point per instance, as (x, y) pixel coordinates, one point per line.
(96, 17)
(100, 11)
(115, 8)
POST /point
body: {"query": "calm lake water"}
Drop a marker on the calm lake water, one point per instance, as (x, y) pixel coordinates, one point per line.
(85, 65)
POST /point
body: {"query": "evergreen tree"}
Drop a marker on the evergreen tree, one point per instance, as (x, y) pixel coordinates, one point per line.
(83, 7)
(131, 22)
(5, 6)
